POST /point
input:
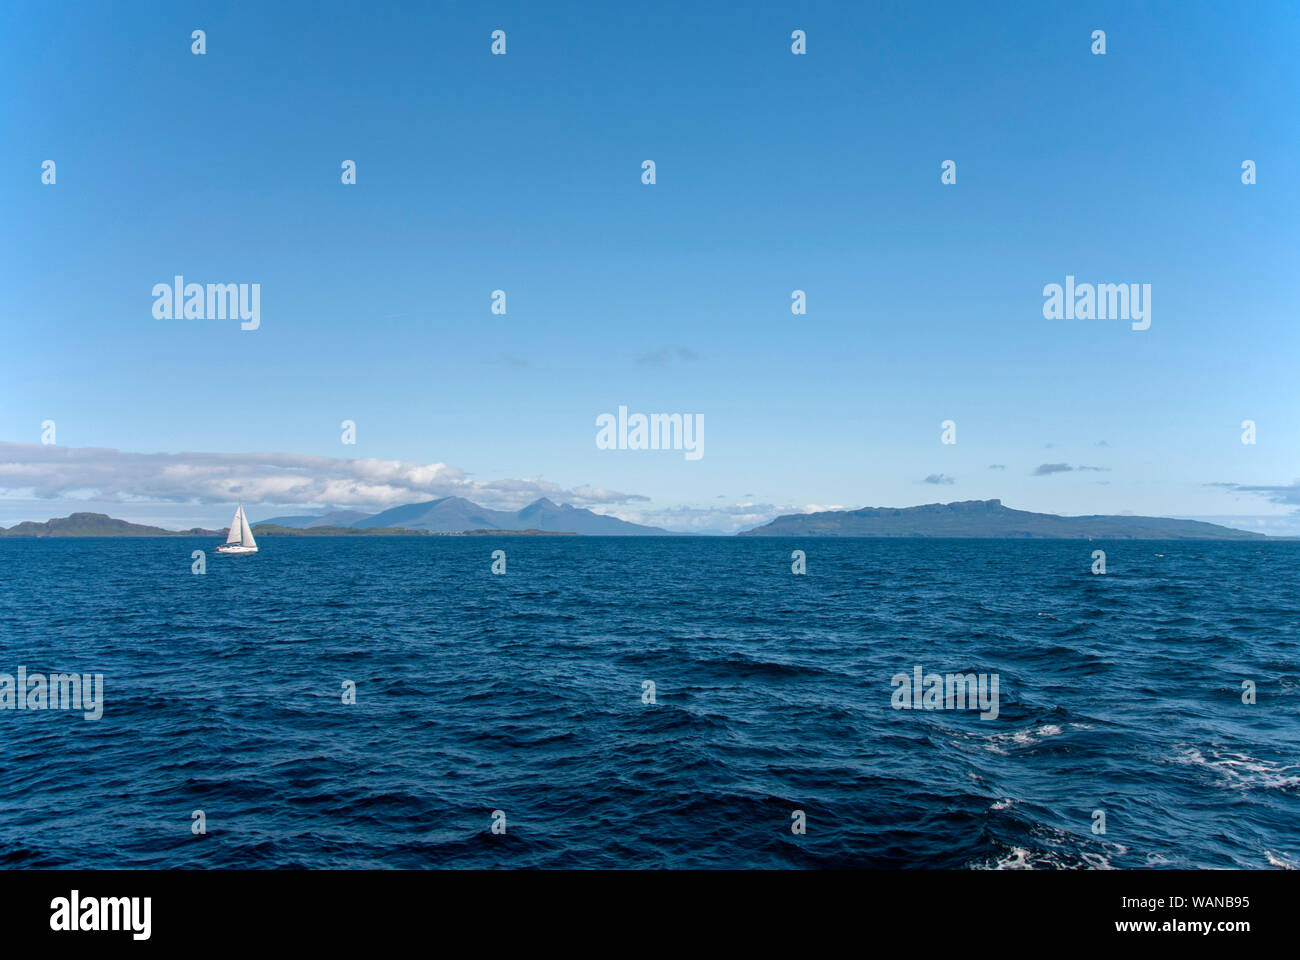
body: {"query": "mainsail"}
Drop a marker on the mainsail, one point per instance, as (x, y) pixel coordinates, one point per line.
(237, 527)
(245, 533)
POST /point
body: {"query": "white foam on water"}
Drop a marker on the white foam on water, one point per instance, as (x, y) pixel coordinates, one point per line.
(1096, 861)
(1017, 859)
(1060, 851)
(1030, 734)
(1242, 771)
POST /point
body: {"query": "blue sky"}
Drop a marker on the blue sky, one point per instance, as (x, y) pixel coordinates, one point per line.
(775, 172)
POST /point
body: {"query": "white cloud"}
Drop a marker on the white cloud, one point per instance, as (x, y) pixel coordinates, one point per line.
(710, 519)
(78, 473)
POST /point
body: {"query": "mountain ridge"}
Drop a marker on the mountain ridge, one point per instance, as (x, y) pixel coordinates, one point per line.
(963, 519)
(446, 515)
(458, 515)
(989, 519)
(98, 525)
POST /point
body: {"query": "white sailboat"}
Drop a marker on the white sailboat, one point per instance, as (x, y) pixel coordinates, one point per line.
(240, 539)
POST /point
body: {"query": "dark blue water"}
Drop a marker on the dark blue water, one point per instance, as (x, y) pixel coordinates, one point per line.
(523, 693)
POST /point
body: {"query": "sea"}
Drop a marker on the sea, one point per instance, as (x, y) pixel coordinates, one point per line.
(652, 702)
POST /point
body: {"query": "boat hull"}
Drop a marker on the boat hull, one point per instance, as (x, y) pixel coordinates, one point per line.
(235, 551)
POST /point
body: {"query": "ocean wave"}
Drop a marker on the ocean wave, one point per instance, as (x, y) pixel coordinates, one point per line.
(1241, 771)
(524, 693)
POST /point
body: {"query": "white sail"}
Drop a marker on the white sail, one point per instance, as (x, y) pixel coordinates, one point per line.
(236, 526)
(240, 539)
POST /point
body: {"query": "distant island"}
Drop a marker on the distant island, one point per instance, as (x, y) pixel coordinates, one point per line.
(458, 515)
(277, 530)
(989, 519)
(453, 516)
(102, 525)
(99, 525)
